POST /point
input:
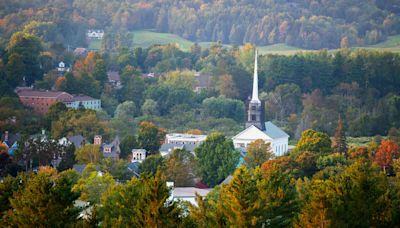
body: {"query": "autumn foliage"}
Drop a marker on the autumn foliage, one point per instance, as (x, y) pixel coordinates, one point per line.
(387, 151)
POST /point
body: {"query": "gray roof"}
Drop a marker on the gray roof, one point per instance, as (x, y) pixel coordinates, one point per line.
(79, 168)
(77, 140)
(170, 147)
(273, 131)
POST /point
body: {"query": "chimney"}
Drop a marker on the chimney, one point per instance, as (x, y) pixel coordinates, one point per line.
(97, 140)
(6, 136)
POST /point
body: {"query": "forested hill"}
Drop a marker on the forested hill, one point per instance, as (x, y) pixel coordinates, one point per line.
(310, 24)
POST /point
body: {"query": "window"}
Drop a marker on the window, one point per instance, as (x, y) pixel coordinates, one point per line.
(253, 107)
(253, 117)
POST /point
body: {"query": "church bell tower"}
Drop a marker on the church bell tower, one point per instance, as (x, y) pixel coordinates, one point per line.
(255, 111)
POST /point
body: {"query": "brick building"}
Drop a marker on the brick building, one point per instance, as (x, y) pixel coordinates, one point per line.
(40, 101)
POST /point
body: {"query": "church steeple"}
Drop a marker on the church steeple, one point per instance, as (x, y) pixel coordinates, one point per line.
(254, 113)
(254, 97)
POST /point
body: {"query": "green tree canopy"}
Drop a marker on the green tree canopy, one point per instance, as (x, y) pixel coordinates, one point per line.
(216, 159)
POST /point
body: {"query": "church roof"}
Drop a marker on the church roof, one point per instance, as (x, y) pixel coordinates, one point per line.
(253, 133)
(273, 131)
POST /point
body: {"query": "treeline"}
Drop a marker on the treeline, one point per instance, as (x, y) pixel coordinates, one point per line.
(305, 23)
(301, 91)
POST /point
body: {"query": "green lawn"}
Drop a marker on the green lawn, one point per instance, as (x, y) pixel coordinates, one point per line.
(94, 44)
(146, 38)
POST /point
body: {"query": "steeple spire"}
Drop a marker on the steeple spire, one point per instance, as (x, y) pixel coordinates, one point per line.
(255, 115)
(254, 97)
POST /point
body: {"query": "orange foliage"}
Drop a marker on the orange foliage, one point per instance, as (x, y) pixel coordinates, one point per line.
(60, 82)
(387, 151)
(282, 162)
(90, 62)
(194, 132)
(143, 5)
(3, 148)
(79, 68)
(92, 22)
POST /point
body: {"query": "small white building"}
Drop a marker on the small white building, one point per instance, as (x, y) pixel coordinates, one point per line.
(187, 194)
(184, 139)
(95, 34)
(84, 101)
(138, 155)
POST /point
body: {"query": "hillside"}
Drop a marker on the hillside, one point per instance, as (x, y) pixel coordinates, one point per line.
(146, 38)
(301, 23)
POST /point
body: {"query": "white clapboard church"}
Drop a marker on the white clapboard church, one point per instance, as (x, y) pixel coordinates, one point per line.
(257, 128)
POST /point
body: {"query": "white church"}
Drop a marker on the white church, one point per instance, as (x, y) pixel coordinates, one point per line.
(257, 128)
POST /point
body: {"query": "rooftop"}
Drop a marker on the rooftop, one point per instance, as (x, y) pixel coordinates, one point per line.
(81, 97)
(184, 192)
(38, 93)
(185, 136)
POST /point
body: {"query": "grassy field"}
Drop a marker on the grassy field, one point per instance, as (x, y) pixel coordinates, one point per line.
(146, 38)
(94, 44)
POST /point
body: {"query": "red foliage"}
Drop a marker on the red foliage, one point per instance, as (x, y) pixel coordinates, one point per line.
(387, 151)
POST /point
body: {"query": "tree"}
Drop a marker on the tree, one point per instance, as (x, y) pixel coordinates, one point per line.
(67, 158)
(150, 137)
(179, 168)
(339, 142)
(88, 154)
(128, 143)
(141, 202)
(339, 201)
(221, 107)
(227, 87)
(151, 164)
(239, 200)
(216, 159)
(93, 186)
(43, 193)
(314, 141)
(125, 111)
(149, 108)
(100, 71)
(39, 152)
(387, 151)
(257, 153)
(28, 47)
(181, 78)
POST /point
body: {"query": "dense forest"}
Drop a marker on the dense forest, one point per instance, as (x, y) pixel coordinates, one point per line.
(312, 24)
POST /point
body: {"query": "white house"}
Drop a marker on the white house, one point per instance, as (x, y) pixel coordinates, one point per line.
(181, 141)
(95, 34)
(138, 155)
(256, 128)
(84, 101)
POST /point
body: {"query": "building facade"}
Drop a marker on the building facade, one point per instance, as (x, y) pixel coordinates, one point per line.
(41, 101)
(84, 101)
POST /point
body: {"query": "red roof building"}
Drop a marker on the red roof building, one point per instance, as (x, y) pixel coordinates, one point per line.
(40, 101)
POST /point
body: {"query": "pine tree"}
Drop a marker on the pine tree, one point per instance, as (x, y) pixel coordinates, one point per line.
(339, 142)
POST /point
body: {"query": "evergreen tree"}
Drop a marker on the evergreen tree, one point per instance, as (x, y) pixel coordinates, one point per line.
(339, 143)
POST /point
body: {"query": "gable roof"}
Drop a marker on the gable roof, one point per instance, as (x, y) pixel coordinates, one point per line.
(273, 131)
(46, 94)
(253, 133)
